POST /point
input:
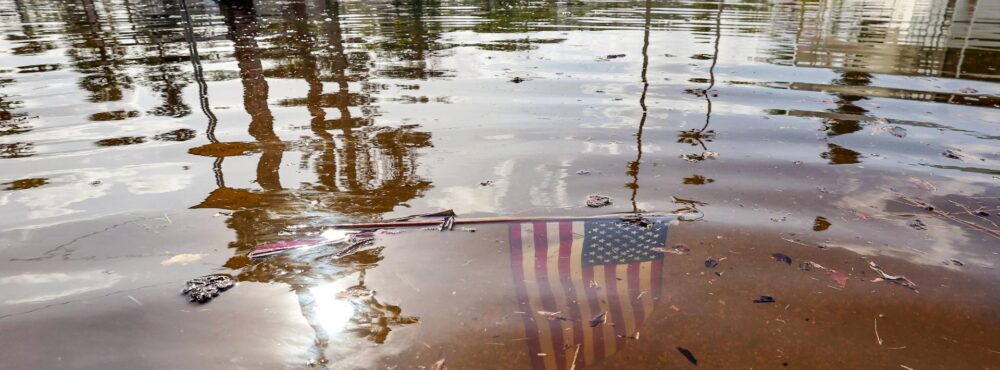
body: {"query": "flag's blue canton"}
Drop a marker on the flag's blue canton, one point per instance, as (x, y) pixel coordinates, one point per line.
(617, 242)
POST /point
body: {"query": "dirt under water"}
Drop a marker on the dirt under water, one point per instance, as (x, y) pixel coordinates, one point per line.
(143, 144)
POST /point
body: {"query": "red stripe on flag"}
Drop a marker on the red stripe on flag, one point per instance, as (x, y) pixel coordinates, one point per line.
(634, 275)
(614, 303)
(595, 308)
(517, 266)
(566, 277)
(656, 275)
(545, 291)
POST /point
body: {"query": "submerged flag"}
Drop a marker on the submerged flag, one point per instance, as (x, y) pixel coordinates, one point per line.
(568, 273)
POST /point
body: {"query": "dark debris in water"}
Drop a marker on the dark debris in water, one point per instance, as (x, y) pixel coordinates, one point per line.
(764, 299)
(821, 224)
(203, 289)
(182, 134)
(119, 141)
(782, 258)
(688, 355)
(599, 319)
(917, 224)
(711, 263)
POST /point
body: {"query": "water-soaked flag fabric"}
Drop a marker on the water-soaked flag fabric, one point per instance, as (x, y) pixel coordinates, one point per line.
(568, 272)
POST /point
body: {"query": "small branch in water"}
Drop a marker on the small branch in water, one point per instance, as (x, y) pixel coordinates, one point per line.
(933, 210)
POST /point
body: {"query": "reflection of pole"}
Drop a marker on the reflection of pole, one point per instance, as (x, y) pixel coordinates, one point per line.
(711, 69)
(633, 169)
(968, 33)
(199, 76)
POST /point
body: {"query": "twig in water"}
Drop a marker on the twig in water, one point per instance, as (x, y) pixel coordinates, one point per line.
(933, 210)
(905, 367)
(879, 339)
(572, 366)
(971, 213)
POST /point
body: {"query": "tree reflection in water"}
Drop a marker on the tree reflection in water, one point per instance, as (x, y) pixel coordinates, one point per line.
(362, 170)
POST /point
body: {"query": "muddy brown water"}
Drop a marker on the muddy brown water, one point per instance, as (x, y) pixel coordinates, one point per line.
(145, 143)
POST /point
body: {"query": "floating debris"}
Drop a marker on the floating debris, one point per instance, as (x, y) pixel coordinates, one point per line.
(552, 316)
(901, 280)
(711, 263)
(821, 224)
(584, 172)
(599, 319)
(839, 277)
(439, 365)
(203, 289)
(954, 154)
(764, 299)
(486, 183)
(680, 249)
(923, 184)
(917, 224)
(891, 130)
(782, 258)
(614, 56)
(517, 80)
(597, 201)
(688, 355)
(806, 266)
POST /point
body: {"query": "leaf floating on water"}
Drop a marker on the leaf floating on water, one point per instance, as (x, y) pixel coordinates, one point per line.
(840, 278)
(599, 319)
(688, 355)
(183, 259)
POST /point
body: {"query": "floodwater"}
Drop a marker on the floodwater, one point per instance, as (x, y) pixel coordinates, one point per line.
(146, 143)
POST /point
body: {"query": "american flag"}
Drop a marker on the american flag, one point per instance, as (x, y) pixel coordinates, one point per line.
(568, 272)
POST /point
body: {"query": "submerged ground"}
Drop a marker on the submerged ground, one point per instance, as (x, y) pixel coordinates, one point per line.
(145, 143)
